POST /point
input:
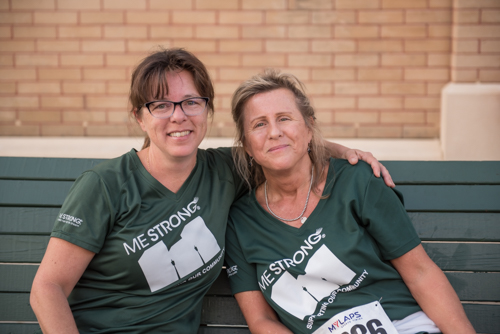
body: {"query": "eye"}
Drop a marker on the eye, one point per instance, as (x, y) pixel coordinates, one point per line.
(161, 106)
(283, 118)
(259, 124)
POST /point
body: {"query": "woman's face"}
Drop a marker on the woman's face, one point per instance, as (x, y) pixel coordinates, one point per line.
(276, 135)
(178, 136)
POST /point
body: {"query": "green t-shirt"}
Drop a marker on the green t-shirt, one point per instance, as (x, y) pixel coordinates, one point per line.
(157, 252)
(337, 260)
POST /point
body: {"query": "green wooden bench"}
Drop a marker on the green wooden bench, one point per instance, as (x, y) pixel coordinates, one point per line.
(455, 207)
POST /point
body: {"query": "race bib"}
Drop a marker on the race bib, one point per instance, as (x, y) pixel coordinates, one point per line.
(365, 319)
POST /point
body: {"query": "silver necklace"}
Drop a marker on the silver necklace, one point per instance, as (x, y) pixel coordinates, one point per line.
(305, 206)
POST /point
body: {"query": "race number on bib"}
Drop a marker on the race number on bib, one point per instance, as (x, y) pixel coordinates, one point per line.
(365, 319)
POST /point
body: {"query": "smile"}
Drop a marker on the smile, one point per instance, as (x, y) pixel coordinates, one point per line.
(179, 134)
(275, 148)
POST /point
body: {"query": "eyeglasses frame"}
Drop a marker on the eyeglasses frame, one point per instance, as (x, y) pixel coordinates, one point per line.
(206, 99)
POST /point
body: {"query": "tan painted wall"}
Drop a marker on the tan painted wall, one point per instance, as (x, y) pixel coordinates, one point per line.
(374, 68)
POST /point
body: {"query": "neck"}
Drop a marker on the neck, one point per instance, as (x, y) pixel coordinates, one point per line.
(289, 183)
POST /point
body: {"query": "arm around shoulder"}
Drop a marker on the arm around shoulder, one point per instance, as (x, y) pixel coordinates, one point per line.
(62, 266)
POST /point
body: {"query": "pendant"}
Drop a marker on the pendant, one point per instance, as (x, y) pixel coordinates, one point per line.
(303, 220)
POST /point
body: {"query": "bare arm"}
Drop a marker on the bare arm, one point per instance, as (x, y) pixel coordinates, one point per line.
(260, 317)
(62, 266)
(354, 155)
(432, 291)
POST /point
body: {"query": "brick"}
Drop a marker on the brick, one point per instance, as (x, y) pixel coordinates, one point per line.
(168, 31)
(104, 74)
(216, 4)
(427, 74)
(6, 60)
(333, 74)
(407, 31)
(336, 46)
(82, 60)
(80, 32)
(59, 74)
(464, 75)
(433, 117)
(412, 117)
(118, 117)
(34, 32)
(477, 4)
(380, 103)
(323, 117)
(356, 31)
(441, 45)
(264, 4)
(334, 17)
(40, 116)
(55, 18)
(197, 45)
(17, 74)
(466, 16)
(5, 32)
(490, 46)
(22, 130)
(237, 17)
(123, 59)
(216, 32)
(440, 3)
(128, 32)
(218, 59)
(379, 74)
(84, 87)
(302, 73)
(4, 4)
(420, 132)
(39, 88)
(311, 4)
(7, 116)
(403, 88)
(82, 116)
(476, 61)
(422, 103)
(466, 46)
(323, 31)
(439, 31)
(428, 16)
(287, 17)
(19, 102)
(124, 4)
(146, 46)
(107, 130)
(103, 46)
(263, 32)
(225, 88)
(356, 60)
(151, 18)
(403, 60)
(318, 88)
(334, 102)
(476, 31)
(380, 132)
(381, 16)
(33, 4)
(312, 60)
(489, 75)
(107, 102)
(263, 60)
(117, 88)
(380, 46)
(64, 130)
(286, 46)
(171, 4)
(194, 17)
(490, 16)
(36, 60)
(62, 102)
(357, 4)
(101, 17)
(238, 74)
(404, 4)
(358, 117)
(435, 88)
(16, 18)
(78, 4)
(241, 46)
(7, 87)
(57, 46)
(356, 88)
(338, 131)
(439, 59)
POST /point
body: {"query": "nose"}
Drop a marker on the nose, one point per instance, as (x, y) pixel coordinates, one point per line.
(178, 114)
(274, 130)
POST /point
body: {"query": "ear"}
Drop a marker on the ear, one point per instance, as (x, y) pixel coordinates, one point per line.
(138, 118)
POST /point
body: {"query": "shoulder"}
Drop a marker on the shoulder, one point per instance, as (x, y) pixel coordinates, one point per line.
(342, 169)
(115, 170)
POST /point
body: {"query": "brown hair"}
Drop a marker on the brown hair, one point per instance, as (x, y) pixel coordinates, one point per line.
(149, 81)
(270, 80)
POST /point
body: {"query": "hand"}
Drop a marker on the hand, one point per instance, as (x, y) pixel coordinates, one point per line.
(354, 155)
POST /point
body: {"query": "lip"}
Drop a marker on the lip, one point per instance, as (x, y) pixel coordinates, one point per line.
(179, 134)
(277, 148)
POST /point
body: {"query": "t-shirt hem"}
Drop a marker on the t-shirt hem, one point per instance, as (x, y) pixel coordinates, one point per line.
(402, 250)
(75, 241)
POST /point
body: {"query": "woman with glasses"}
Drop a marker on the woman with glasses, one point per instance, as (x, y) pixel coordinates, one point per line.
(140, 238)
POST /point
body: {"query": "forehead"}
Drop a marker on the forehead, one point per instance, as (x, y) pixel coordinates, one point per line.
(271, 102)
(172, 85)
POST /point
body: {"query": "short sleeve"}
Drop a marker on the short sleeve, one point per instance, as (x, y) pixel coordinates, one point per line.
(86, 216)
(242, 275)
(385, 218)
(225, 154)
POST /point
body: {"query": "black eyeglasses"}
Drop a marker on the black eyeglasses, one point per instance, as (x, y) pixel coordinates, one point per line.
(192, 106)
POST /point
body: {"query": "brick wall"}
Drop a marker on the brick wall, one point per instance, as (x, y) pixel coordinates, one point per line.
(374, 68)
